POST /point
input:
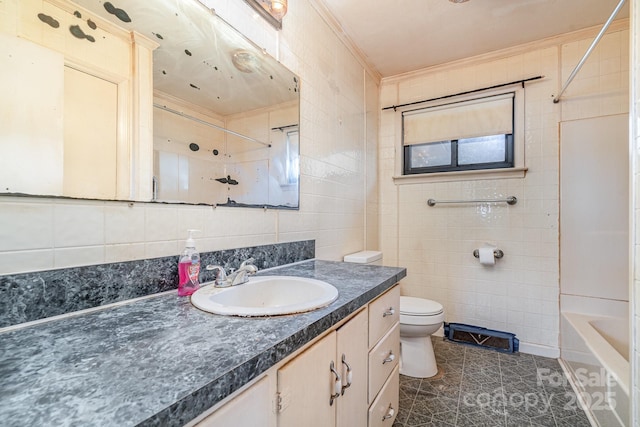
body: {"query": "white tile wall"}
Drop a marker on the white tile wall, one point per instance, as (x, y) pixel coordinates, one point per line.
(31, 225)
(123, 224)
(520, 293)
(605, 74)
(336, 95)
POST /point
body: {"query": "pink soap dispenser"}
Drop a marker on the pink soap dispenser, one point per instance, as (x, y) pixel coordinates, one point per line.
(189, 268)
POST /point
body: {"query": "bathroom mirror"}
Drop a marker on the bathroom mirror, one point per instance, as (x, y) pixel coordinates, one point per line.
(225, 113)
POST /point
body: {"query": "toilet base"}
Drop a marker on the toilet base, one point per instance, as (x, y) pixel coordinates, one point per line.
(417, 358)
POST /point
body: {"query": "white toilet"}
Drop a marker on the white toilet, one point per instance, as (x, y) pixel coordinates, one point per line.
(419, 318)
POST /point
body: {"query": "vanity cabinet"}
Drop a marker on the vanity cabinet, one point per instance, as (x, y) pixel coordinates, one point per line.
(311, 387)
(347, 378)
(326, 385)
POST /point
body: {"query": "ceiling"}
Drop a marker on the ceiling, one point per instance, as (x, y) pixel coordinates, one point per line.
(408, 35)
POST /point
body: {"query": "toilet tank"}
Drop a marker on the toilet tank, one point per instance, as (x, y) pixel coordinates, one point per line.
(365, 257)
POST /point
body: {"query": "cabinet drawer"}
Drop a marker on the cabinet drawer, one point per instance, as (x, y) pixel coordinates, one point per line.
(384, 312)
(382, 359)
(383, 411)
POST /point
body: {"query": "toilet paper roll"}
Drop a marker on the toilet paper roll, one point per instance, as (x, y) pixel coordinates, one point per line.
(486, 256)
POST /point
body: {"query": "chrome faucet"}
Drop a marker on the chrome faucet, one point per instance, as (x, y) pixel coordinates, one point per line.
(237, 277)
(241, 275)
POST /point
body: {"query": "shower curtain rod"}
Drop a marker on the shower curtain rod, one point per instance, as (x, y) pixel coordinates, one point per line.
(203, 122)
(523, 81)
(589, 50)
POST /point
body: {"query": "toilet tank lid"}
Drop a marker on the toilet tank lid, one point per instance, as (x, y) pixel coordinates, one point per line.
(363, 257)
(419, 306)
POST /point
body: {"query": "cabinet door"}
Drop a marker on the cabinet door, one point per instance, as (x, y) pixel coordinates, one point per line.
(306, 384)
(251, 408)
(352, 353)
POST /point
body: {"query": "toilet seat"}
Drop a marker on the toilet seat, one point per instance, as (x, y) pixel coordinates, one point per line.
(419, 307)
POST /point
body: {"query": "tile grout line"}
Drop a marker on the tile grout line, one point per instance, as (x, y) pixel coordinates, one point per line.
(413, 402)
(503, 391)
(464, 361)
(544, 390)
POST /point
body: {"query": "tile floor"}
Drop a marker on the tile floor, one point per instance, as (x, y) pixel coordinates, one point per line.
(481, 387)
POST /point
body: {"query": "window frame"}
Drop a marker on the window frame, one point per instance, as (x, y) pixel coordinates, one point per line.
(453, 166)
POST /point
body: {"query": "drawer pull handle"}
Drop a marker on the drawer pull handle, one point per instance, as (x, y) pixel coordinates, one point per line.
(390, 413)
(349, 375)
(389, 312)
(389, 358)
(337, 387)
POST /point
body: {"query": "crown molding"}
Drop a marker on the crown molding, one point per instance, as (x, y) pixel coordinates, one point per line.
(558, 40)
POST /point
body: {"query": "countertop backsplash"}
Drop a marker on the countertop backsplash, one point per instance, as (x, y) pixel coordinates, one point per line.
(27, 297)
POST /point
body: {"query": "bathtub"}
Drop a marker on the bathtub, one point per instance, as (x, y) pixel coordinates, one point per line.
(595, 356)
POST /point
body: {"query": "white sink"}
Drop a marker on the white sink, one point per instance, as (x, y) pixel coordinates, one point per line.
(266, 296)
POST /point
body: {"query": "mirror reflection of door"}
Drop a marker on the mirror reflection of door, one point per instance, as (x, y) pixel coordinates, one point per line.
(90, 139)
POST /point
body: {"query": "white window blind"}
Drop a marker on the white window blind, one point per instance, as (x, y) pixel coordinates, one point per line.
(479, 117)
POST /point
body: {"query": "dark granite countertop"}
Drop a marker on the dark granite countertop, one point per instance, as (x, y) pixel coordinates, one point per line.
(160, 361)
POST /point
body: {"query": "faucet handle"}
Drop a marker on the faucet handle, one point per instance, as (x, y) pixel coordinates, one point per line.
(248, 266)
(220, 274)
(248, 261)
(214, 267)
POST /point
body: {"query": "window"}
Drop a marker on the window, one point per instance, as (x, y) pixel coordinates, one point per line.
(485, 152)
(469, 135)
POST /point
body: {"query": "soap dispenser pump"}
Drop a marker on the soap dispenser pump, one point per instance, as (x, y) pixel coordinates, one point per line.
(189, 267)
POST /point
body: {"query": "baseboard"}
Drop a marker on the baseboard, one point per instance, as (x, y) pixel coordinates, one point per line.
(536, 349)
(539, 350)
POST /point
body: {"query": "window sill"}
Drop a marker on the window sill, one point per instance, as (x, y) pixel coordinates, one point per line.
(460, 176)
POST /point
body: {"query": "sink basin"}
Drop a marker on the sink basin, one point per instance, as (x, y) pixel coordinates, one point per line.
(266, 296)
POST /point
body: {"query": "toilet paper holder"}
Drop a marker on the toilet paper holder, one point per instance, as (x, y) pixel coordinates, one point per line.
(497, 253)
